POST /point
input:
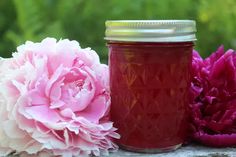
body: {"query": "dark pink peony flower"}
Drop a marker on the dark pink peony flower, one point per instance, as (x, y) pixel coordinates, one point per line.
(54, 98)
(213, 98)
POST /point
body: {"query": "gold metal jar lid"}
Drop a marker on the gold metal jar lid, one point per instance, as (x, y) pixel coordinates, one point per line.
(151, 30)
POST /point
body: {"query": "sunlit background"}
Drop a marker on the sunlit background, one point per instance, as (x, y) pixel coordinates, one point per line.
(83, 20)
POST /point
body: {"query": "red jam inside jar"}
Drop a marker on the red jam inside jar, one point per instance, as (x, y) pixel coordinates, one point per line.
(149, 84)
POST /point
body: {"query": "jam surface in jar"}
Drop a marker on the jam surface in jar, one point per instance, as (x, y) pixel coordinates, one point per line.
(149, 93)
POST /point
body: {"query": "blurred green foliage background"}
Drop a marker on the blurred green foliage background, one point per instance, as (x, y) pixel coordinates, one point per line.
(83, 20)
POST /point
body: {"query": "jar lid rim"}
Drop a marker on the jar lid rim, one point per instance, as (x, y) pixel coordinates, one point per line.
(150, 30)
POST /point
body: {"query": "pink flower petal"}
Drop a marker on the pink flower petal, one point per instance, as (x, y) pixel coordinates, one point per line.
(60, 71)
(43, 114)
(37, 98)
(95, 110)
(12, 130)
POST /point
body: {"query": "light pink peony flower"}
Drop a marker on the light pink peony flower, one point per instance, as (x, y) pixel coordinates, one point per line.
(213, 100)
(54, 97)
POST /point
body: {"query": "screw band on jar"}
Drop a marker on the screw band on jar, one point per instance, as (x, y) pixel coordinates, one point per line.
(151, 30)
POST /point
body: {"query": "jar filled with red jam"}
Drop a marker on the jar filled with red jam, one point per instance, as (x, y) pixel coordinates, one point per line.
(150, 71)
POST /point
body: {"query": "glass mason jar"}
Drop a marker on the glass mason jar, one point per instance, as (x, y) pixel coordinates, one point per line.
(150, 70)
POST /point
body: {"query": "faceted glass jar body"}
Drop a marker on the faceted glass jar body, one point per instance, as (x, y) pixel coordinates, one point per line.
(149, 85)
